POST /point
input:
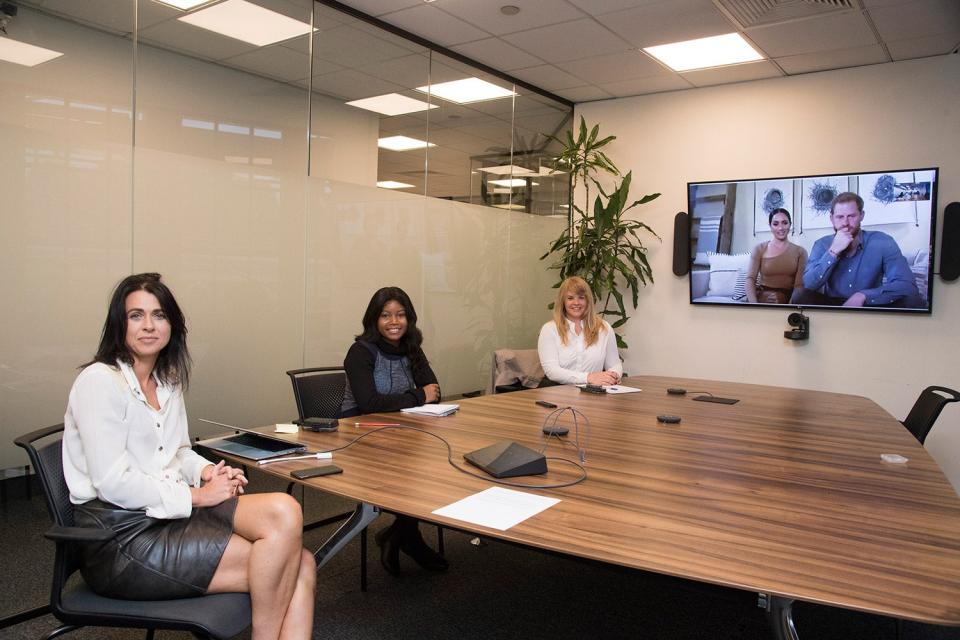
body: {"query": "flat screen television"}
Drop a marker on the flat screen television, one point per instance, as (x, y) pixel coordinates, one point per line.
(838, 241)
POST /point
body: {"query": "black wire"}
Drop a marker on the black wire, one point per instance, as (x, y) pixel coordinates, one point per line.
(453, 464)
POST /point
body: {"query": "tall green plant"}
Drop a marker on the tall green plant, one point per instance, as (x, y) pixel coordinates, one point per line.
(600, 245)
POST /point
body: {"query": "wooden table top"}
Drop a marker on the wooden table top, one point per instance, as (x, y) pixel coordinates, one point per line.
(783, 493)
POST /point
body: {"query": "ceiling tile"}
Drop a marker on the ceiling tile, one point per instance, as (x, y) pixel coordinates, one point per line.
(498, 54)
(614, 67)
(114, 16)
(409, 71)
(568, 41)
(181, 36)
(821, 61)
(533, 13)
(921, 47)
(350, 47)
(870, 4)
(548, 77)
(666, 22)
(640, 86)
(600, 7)
(918, 19)
(584, 94)
(350, 84)
(733, 73)
(435, 25)
(837, 31)
(276, 62)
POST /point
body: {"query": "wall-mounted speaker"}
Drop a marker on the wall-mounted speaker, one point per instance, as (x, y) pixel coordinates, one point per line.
(949, 243)
(681, 244)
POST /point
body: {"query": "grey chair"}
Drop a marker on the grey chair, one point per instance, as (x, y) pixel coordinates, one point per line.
(222, 615)
(927, 409)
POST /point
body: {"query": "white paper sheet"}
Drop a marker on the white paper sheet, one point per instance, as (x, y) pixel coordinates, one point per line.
(286, 428)
(619, 388)
(433, 409)
(497, 508)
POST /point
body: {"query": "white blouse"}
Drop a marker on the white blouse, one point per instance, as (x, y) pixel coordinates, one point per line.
(118, 448)
(570, 363)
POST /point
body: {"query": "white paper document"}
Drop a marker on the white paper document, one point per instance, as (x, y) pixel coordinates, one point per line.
(619, 388)
(286, 428)
(497, 508)
(433, 409)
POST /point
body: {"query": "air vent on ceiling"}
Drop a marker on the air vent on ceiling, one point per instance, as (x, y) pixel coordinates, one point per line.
(752, 13)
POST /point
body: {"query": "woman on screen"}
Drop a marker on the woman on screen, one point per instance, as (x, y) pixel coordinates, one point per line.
(387, 370)
(184, 527)
(776, 266)
(578, 346)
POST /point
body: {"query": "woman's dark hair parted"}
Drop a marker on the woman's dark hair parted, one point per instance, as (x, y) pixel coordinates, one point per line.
(173, 363)
(775, 212)
(411, 340)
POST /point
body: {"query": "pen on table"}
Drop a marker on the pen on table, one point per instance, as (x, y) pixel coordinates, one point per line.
(377, 424)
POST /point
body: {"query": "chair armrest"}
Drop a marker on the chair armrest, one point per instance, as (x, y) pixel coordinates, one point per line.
(79, 534)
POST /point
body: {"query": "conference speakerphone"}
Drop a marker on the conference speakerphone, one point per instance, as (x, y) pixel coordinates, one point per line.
(716, 399)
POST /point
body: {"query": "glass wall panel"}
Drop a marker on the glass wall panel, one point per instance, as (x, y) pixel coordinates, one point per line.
(65, 158)
(471, 129)
(364, 90)
(219, 195)
(544, 191)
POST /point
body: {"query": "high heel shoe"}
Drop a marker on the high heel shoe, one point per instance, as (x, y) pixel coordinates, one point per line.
(389, 541)
(412, 544)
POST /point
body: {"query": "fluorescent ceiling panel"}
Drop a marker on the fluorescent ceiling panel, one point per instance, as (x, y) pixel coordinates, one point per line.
(703, 53)
(467, 90)
(402, 143)
(245, 21)
(26, 54)
(508, 169)
(183, 5)
(513, 182)
(393, 184)
(392, 104)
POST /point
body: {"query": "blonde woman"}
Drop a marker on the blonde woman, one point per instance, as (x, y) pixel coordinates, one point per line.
(578, 346)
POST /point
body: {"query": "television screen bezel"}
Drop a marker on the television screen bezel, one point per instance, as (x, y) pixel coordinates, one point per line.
(746, 304)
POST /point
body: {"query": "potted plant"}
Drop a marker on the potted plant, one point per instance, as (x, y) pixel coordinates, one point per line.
(598, 244)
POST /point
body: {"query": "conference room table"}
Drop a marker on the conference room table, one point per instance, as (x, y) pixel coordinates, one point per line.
(784, 493)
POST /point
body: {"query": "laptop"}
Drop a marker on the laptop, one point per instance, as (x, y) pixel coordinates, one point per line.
(251, 444)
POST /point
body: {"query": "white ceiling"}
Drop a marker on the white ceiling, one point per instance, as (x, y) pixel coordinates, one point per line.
(586, 50)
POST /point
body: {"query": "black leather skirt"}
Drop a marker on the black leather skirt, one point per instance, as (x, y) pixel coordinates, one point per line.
(153, 559)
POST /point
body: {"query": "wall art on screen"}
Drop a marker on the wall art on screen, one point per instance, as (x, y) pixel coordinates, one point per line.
(818, 193)
(825, 251)
(770, 195)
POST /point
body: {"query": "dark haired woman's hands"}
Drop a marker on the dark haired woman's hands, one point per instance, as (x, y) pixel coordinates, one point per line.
(222, 483)
(431, 393)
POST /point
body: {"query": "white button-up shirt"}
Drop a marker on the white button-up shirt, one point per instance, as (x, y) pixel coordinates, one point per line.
(570, 363)
(118, 448)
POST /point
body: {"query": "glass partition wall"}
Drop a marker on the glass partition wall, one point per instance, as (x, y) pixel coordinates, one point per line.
(243, 166)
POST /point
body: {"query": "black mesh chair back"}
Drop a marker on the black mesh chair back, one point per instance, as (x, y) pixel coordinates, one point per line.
(927, 409)
(221, 615)
(318, 391)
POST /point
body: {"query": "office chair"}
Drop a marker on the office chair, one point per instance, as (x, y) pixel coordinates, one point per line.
(219, 616)
(927, 409)
(515, 370)
(318, 391)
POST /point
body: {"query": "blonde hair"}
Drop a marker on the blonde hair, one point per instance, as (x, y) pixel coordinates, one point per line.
(592, 323)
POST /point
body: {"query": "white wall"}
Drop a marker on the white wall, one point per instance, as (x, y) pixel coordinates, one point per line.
(903, 114)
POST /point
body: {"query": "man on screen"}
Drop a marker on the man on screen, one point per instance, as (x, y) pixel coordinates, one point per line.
(854, 267)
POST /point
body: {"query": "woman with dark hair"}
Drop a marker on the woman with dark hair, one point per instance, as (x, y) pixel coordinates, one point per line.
(183, 526)
(388, 371)
(776, 266)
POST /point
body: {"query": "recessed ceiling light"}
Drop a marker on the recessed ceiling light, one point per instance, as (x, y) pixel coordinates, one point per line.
(393, 184)
(507, 169)
(402, 143)
(467, 90)
(392, 104)
(245, 21)
(513, 182)
(28, 55)
(509, 10)
(703, 53)
(183, 5)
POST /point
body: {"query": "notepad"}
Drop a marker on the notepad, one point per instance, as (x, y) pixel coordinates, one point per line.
(437, 410)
